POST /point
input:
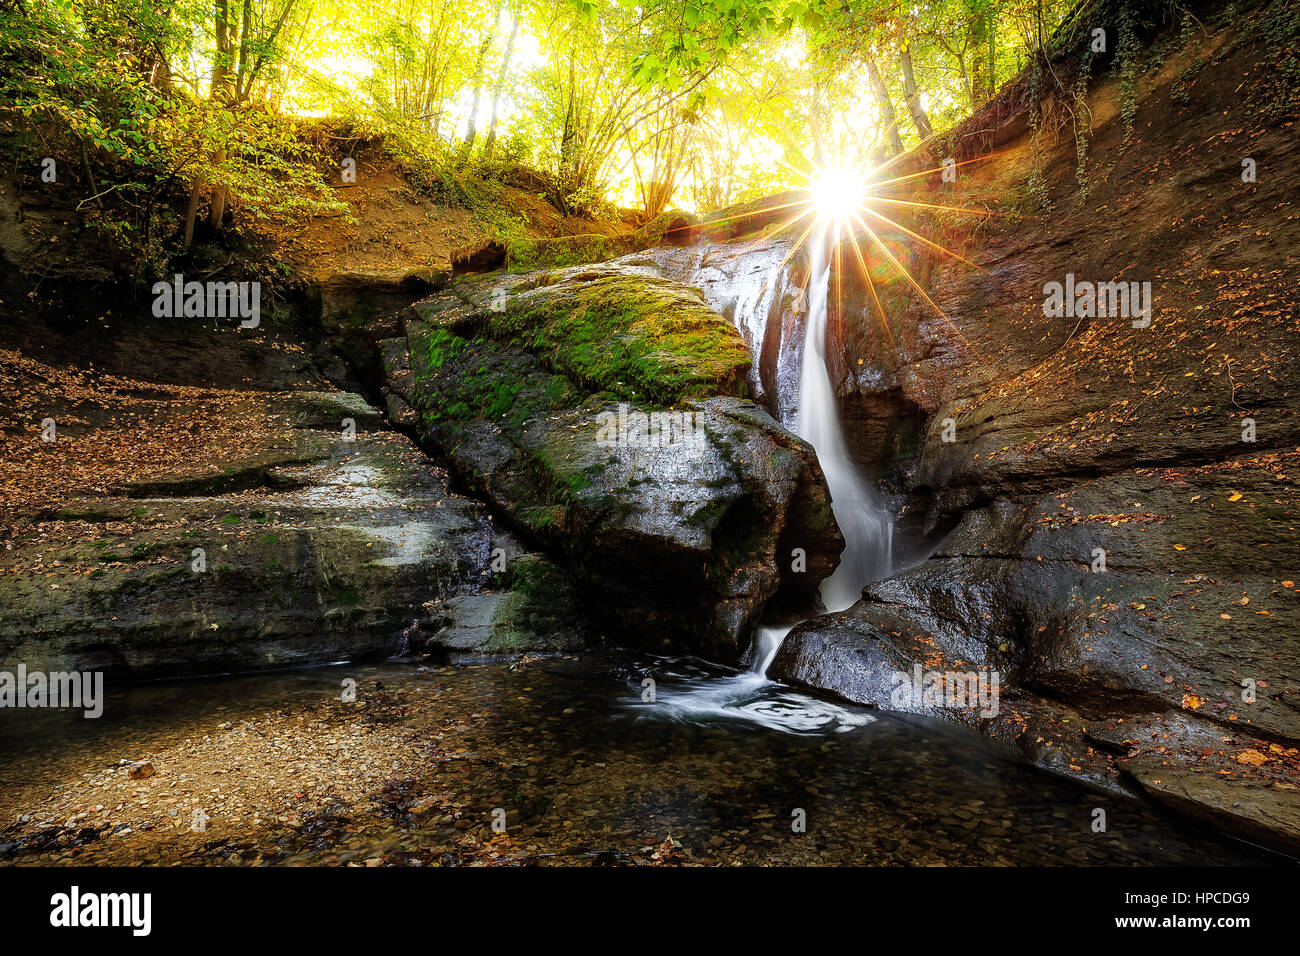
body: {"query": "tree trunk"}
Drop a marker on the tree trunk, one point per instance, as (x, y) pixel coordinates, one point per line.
(500, 85)
(221, 85)
(568, 138)
(886, 107)
(981, 22)
(993, 57)
(245, 28)
(913, 95)
(191, 212)
(479, 63)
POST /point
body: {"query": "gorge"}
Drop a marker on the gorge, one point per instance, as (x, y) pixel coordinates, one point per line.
(630, 534)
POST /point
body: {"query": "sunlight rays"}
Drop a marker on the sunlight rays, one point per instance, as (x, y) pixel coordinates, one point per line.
(838, 207)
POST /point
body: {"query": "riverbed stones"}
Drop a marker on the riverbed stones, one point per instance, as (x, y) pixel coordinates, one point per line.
(580, 788)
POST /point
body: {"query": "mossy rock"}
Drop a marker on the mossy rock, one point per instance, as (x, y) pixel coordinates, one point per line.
(639, 337)
(542, 392)
(527, 255)
(540, 612)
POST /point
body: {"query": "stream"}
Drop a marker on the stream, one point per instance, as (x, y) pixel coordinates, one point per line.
(589, 773)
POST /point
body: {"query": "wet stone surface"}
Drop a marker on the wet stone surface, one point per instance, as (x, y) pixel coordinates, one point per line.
(586, 772)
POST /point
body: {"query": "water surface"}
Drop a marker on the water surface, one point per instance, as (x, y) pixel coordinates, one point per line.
(588, 771)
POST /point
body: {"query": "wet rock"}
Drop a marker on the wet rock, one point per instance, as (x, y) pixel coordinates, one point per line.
(759, 286)
(1120, 498)
(862, 656)
(1230, 783)
(540, 612)
(324, 547)
(600, 410)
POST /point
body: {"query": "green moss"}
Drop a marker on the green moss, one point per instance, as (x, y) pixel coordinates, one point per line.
(710, 515)
(576, 484)
(624, 338)
(641, 338)
(822, 518)
(529, 255)
(545, 518)
(441, 347)
(476, 379)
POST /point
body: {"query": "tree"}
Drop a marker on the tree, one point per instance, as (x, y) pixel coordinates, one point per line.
(885, 104)
(502, 74)
(912, 94)
(488, 37)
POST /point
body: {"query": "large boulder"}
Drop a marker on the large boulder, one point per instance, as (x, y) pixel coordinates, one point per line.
(601, 411)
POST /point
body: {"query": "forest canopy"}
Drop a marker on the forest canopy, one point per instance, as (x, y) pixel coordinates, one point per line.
(694, 104)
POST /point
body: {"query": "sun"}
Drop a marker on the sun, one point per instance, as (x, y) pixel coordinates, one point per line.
(837, 192)
(849, 207)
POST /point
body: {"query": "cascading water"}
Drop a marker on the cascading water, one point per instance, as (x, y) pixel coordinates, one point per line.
(766, 643)
(864, 521)
(866, 524)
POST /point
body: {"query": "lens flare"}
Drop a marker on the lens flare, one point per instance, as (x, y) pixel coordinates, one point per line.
(837, 192)
(840, 209)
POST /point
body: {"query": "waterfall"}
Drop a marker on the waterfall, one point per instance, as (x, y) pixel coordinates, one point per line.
(866, 524)
(767, 643)
(750, 284)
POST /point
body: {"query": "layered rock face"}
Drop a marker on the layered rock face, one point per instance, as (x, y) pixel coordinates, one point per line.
(174, 531)
(601, 411)
(1124, 552)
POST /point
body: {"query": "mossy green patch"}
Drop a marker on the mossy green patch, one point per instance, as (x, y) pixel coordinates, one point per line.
(477, 379)
(641, 338)
(441, 347)
(558, 252)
